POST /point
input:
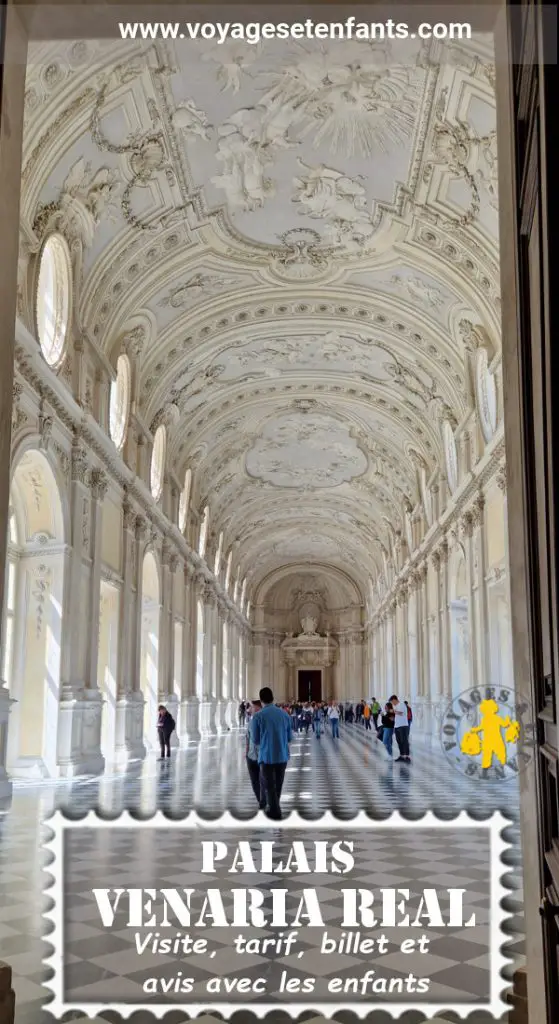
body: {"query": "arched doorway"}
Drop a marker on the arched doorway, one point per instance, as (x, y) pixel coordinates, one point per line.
(33, 617)
(460, 624)
(149, 649)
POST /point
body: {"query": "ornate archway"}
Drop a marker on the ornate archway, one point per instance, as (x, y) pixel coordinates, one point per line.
(33, 616)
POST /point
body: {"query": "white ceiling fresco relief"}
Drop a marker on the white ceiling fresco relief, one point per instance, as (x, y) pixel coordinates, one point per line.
(301, 233)
(305, 451)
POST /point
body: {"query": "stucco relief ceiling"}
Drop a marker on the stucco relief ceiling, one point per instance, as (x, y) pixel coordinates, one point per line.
(305, 451)
(300, 230)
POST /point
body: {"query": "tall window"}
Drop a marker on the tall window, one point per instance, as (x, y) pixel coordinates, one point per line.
(204, 532)
(236, 585)
(426, 496)
(228, 570)
(243, 592)
(158, 462)
(451, 455)
(54, 289)
(120, 402)
(248, 609)
(218, 554)
(185, 500)
(10, 606)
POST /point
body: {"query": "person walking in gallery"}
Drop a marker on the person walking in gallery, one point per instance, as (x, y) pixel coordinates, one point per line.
(388, 727)
(375, 712)
(252, 761)
(271, 731)
(410, 717)
(334, 717)
(242, 713)
(401, 728)
(367, 717)
(165, 729)
(317, 720)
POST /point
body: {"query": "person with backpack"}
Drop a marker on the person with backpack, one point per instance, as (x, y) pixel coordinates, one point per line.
(410, 714)
(165, 729)
(375, 712)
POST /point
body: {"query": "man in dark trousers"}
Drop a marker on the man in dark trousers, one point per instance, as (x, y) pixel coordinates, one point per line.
(165, 729)
(271, 732)
(252, 761)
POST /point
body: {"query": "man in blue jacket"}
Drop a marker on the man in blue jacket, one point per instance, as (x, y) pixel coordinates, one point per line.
(271, 732)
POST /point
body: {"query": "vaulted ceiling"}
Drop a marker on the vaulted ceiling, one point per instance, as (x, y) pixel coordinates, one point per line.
(301, 229)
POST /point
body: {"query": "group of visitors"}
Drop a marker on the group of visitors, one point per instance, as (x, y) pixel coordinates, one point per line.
(270, 728)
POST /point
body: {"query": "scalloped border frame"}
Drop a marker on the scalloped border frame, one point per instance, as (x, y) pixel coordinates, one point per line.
(495, 824)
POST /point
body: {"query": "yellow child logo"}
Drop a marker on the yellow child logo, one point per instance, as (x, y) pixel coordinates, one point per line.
(487, 738)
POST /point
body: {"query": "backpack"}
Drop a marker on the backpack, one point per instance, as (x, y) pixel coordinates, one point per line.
(173, 724)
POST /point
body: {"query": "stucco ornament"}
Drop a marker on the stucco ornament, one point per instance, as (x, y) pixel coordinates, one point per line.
(247, 146)
(360, 106)
(85, 198)
(341, 201)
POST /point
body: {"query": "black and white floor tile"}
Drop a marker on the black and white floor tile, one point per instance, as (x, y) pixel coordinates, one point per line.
(344, 776)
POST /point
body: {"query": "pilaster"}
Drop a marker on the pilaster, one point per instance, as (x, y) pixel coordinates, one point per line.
(167, 695)
(129, 717)
(80, 706)
(189, 714)
(208, 703)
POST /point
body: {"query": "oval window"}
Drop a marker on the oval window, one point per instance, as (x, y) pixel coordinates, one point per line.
(53, 302)
(120, 402)
(451, 455)
(486, 396)
(185, 500)
(158, 462)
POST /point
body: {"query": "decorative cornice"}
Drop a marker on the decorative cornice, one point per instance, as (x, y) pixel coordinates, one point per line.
(466, 513)
(90, 439)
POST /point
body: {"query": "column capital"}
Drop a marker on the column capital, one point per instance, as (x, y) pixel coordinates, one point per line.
(467, 524)
(436, 560)
(141, 527)
(128, 515)
(79, 460)
(502, 479)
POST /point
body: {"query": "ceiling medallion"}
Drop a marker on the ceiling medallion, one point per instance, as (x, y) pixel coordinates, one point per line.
(303, 255)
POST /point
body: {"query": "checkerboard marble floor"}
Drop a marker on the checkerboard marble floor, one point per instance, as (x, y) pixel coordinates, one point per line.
(344, 777)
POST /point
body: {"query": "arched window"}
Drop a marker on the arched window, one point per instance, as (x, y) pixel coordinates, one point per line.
(54, 290)
(451, 455)
(243, 592)
(120, 402)
(204, 532)
(218, 554)
(158, 462)
(185, 500)
(248, 609)
(228, 570)
(486, 393)
(236, 585)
